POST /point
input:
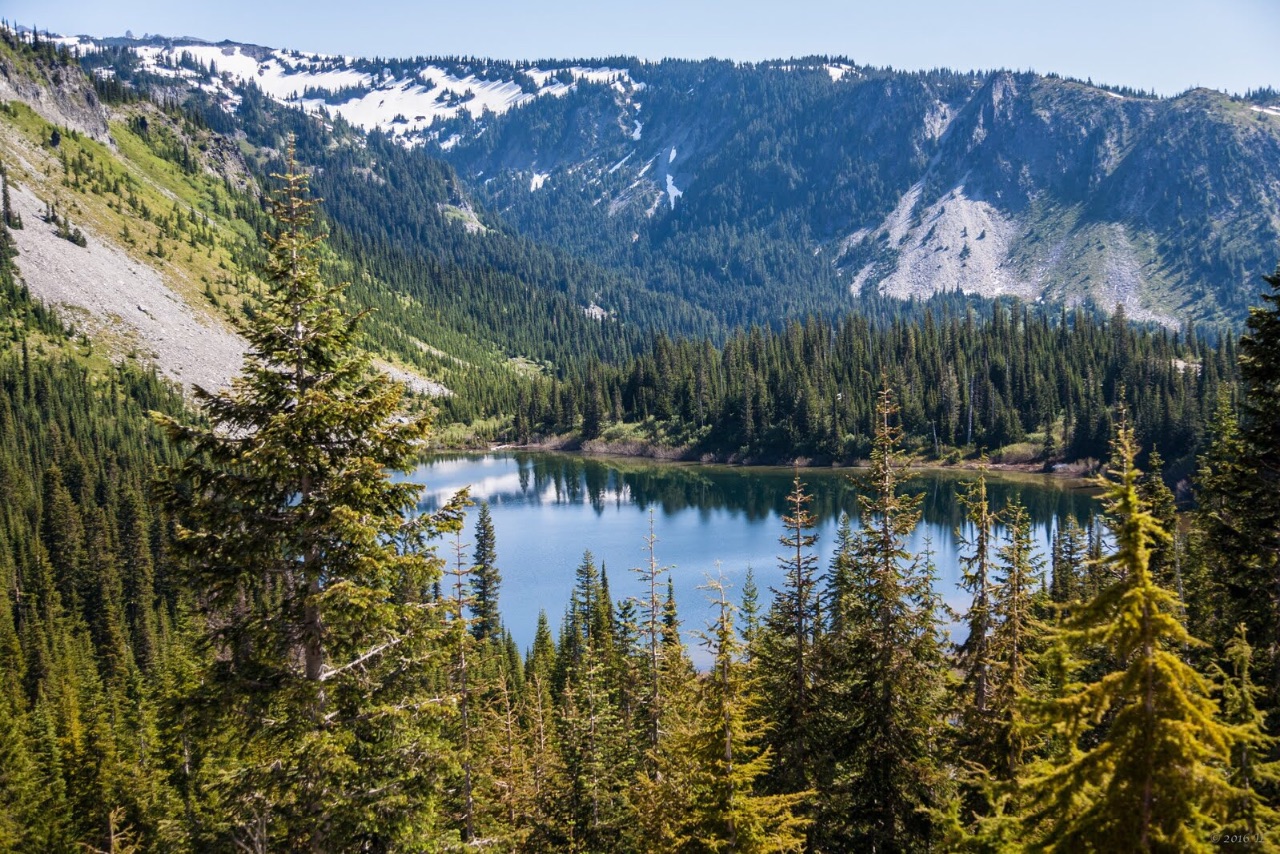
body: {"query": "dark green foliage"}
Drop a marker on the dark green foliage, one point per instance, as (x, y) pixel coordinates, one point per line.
(79, 621)
(785, 648)
(883, 675)
(1259, 497)
(487, 578)
(312, 573)
(963, 381)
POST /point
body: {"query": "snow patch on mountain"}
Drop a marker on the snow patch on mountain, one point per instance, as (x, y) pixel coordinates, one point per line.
(673, 192)
(404, 106)
(538, 179)
(839, 71)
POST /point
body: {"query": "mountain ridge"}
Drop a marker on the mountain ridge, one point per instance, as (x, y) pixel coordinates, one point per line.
(753, 192)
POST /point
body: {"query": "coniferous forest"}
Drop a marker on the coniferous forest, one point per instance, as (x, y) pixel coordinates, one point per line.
(225, 624)
(226, 629)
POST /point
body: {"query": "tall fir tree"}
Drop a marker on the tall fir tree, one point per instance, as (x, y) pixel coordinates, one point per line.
(786, 646)
(974, 655)
(881, 718)
(487, 578)
(1252, 817)
(313, 570)
(728, 813)
(1016, 638)
(1143, 765)
(1260, 432)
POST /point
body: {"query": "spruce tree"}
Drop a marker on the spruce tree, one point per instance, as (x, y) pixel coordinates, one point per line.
(1222, 560)
(1142, 768)
(883, 675)
(728, 813)
(1016, 638)
(1260, 509)
(486, 579)
(312, 570)
(786, 646)
(974, 654)
(1251, 817)
(1070, 552)
(650, 608)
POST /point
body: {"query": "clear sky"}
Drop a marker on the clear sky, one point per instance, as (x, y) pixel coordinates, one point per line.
(1164, 45)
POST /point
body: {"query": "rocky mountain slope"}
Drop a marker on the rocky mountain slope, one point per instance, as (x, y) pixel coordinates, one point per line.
(127, 222)
(746, 192)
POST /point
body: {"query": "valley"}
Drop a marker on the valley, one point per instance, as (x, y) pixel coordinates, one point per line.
(287, 561)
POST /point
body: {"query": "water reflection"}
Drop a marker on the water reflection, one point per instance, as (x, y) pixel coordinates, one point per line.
(753, 494)
(548, 508)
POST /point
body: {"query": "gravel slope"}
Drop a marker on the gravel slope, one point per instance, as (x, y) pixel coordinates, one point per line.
(112, 296)
(127, 304)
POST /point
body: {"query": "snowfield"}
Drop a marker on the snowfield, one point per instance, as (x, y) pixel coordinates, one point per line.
(403, 106)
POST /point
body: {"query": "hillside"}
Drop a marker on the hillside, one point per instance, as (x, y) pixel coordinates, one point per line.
(141, 223)
(754, 191)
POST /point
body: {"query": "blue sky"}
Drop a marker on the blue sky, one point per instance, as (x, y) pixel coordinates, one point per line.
(1164, 45)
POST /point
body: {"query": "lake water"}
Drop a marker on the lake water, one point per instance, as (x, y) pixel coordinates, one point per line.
(548, 508)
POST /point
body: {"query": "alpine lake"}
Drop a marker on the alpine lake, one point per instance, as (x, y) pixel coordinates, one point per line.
(548, 508)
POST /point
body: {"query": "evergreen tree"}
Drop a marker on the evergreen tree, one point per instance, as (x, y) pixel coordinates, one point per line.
(786, 647)
(1016, 638)
(487, 578)
(1222, 558)
(728, 813)
(1260, 492)
(312, 570)
(974, 655)
(883, 676)
(1144, 749)
(1251, 817)
(1070, 552)
(651, 609)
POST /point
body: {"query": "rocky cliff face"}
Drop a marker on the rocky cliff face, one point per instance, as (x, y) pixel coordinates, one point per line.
(59, 94)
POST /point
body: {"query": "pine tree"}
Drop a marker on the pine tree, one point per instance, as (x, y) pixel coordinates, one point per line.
(1142, 768)
(461, 644)
(1069, 556)
(663, 791)
(595, 752)
(1016, 638)
(487, 578)
(1251, 817)
(883, 676)
(312, 569)
(650, 607)
(974, 655)
(728, 814)
(786, 647)
(1165, 556)
(1260, 492)
(1222, 560)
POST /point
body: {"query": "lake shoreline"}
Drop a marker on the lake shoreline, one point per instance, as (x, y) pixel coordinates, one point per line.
(1077, 475)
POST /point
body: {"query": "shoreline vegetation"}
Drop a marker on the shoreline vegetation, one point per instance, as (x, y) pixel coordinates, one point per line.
(1079, 470)
(574, 444)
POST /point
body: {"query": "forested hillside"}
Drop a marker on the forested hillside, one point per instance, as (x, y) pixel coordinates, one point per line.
(712, 192)
(792, 184)
(517, 329)
(227, 623)
(1014, 381)
(264, 648)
